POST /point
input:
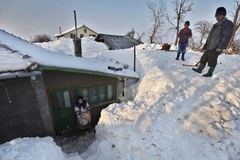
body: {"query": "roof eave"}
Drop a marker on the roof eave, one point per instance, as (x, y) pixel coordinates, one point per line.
(54, 68)
(18, 74)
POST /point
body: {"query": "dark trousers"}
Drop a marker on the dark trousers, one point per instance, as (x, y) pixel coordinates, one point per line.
(210, 57)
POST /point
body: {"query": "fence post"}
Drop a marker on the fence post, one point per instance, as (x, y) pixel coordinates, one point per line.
(134, 58)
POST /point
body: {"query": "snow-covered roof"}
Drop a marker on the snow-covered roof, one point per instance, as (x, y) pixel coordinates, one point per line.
(70, 30)
(46, 59)
(12, 60)
(117, 41)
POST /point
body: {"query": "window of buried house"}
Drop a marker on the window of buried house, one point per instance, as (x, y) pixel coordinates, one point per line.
(72, 35)
(85, 94)
(93, 95)
(102, 93)
(85, 30)
(110, 92)
(63, 99)
(66, 99)
(81, 35)
(73, 96)
(60, 100)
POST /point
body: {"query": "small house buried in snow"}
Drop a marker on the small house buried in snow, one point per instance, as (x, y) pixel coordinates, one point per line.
(38, 88)
(117, 42)
(82, 31)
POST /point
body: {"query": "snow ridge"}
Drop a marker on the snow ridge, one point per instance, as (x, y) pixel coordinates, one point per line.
(176, 113)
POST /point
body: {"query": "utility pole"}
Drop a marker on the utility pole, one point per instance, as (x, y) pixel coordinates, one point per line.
(134, 58)
(75, 20)
(77, 41)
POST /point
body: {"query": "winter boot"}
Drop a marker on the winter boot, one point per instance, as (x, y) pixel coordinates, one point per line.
(209, 73)
(183, 56)
(199, 69)
(178, 54)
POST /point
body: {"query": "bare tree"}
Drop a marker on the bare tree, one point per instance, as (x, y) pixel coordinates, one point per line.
(192, 43)
(236, 45)
(131, 33)
(157, 10)
(181, 7)
(203, 28)
(139, 36)
(236, 25)
(41, 38)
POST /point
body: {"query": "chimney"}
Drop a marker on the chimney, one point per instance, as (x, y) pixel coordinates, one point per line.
(60, 30)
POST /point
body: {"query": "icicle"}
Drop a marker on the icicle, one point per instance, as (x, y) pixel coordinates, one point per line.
(6, 90)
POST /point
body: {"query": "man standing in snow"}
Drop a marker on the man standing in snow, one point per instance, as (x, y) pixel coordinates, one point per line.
(183, 36)
(217, 40)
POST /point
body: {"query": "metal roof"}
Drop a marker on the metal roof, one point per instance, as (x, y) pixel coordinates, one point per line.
(117, 42)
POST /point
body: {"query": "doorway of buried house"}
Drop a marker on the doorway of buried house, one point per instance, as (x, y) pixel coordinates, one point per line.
(63, 101)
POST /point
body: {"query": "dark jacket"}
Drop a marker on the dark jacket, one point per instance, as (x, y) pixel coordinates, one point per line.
(220, 35)
(82, 106)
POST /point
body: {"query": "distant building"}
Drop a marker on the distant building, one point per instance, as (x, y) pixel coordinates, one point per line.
(82, 31)
(117, 42)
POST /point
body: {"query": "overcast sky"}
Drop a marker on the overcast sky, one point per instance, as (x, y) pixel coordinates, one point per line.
(27, 18)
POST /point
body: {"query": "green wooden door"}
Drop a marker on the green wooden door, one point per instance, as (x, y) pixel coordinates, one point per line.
(63, 108)
(63, 101)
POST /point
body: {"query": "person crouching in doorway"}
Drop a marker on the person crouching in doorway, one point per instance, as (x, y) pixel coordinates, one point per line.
(183, 35)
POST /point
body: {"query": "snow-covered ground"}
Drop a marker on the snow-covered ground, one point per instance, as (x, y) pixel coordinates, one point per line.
(174, 113)
(89, 47)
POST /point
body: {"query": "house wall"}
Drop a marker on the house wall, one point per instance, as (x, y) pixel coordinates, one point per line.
(55, 80)
(21, 117)
(58, 79)
(42, 100)
(81, 33)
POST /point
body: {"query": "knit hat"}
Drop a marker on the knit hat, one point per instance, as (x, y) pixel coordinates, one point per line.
(221, 11)
(187, 23)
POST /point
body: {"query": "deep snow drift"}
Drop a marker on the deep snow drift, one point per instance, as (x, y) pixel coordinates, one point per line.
(175, 113)
(34, 149)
